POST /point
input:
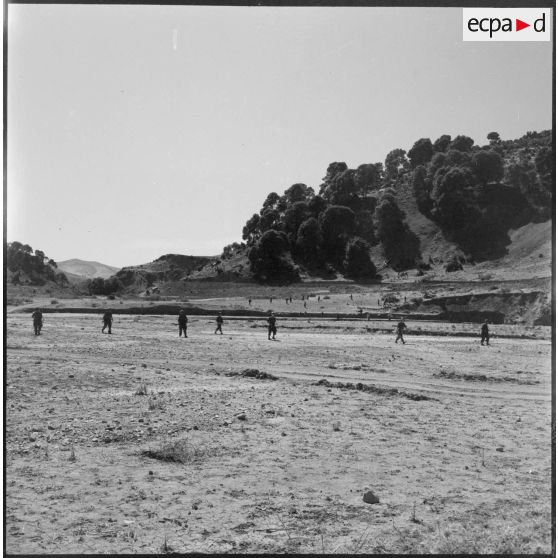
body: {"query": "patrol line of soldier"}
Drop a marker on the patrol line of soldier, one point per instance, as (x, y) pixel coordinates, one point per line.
(182, 323)
(271, 325)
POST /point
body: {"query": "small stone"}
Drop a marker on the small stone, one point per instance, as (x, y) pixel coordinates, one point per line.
(194, 427)
(241, 416)
(150, 472)
(283, 434)
(500, 449)
(370, 498)
(70, 375)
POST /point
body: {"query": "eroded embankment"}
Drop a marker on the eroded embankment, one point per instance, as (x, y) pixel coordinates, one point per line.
(532, 308)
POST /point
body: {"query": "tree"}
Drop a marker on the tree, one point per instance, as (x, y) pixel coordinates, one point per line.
(334, 169)
(421, 152)
(523, 176)
(368, 177)
(337, 225)
(270, 260)
(341, 189)
(316, 205)
(462, 143)
(401, 247)
(442, 143)
(308, 241)
(293, 218)
(488, 166)
(250, 232)
(421, 189)
(544, 163)
(493, 137)
(358, 264)
(450, 197)
(270, 219)
(230, 250)
(271, 202)
(395, 163)
(364, 226)
(457, 158)
(297, 193)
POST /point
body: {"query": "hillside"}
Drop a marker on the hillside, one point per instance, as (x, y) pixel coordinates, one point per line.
(445, 209)
(149, 276)
(86, 269)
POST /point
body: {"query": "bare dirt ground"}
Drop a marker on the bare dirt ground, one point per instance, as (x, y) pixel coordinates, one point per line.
(141, 442)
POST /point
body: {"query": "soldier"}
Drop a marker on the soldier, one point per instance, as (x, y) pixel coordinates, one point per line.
(270, 300)
(219, 321)
(400, 327)
(182, 323)
(484, 333)
(249, 302)
(107, 321)
(271, 327)
(37, 321)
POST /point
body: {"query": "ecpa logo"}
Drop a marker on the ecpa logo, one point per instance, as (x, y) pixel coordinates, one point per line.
(514, 24)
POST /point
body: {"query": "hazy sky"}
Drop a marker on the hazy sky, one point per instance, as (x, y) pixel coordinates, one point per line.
(136, 131)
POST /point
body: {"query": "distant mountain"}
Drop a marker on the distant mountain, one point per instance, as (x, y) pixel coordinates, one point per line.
(87, 270)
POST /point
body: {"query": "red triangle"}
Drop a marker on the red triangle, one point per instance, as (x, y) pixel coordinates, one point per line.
(519, 25)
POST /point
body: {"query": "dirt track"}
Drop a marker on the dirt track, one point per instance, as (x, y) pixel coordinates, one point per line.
(467, 470)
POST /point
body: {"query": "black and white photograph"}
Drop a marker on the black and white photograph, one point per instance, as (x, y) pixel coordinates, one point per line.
(279, 279)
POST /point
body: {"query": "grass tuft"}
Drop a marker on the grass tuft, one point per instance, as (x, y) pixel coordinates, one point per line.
(179, 451)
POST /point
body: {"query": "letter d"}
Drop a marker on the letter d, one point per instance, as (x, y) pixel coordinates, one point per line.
(542, 21)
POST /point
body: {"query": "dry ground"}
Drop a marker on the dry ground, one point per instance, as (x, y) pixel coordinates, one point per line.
(466, 470)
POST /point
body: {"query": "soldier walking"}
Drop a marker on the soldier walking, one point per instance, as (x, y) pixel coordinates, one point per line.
(107, 321)
(219, 321)
(400, 327)
(484, 333)
(271, 326)
(182, 323)
(37, 321)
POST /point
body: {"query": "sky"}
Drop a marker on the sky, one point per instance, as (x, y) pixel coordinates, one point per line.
(137, 131)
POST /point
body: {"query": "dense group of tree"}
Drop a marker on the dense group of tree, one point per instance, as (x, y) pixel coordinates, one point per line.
(32, 267)
(100, 286)
(474, 194)
(477, 194)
